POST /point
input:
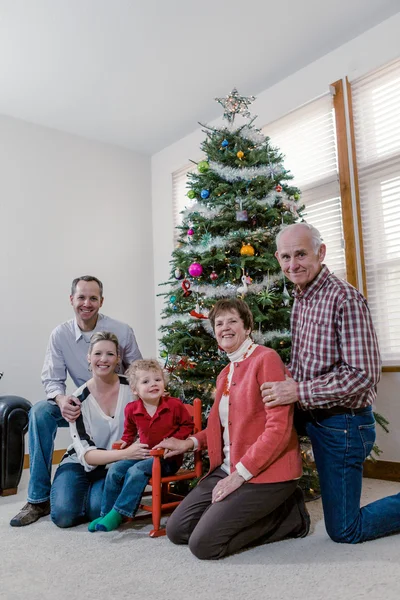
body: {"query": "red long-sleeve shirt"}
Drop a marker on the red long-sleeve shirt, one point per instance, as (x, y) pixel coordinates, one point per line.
(171, 419)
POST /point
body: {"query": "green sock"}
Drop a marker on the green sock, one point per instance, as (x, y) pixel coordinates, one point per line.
(111, 521)
(92, 524)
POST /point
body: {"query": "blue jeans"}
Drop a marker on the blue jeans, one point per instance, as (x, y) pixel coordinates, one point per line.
(44, 418)
(76, 494)
(126, 481)
(341, 443)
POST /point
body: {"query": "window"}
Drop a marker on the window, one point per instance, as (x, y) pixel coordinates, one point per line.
(180, 201)
(307, 139)
(376, 111)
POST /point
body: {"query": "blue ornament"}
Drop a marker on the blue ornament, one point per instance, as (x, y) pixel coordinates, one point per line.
(172, 299)
(204, 194)
(174, 307)
(225, 143)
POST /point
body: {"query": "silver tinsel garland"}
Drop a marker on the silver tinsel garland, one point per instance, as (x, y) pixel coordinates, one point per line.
(226, 290)
(204, 211)
(220, 241)
(255, 136)
(262, 338)
(232, 174)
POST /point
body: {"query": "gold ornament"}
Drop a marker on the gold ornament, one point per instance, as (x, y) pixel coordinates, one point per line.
(247, 250)
(240, 154)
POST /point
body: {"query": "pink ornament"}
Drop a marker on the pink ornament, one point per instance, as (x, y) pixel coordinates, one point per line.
(190, 231)
(195, 269)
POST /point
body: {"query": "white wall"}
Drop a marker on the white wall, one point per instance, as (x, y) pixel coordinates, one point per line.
(69, 207)
(363, 54)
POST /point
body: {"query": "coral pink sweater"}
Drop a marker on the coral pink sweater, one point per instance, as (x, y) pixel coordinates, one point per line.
(263, 440)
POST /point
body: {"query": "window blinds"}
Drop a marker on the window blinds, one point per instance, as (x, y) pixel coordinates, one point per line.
(307, 139)
(376, 110)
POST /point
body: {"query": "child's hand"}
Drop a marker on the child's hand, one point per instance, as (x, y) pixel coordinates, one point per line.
(119, 445)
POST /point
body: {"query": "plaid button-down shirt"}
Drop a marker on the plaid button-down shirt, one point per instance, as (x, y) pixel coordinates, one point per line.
(335, 354)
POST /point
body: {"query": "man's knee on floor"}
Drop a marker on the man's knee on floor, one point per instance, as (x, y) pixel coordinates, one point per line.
(341, 537)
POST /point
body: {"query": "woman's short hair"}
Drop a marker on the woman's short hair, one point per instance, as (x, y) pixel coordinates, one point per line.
(229, 304)
(150, 364)
(104, 336)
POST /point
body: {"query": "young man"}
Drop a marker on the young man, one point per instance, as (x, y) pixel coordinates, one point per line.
(336, 366)
(66, 354)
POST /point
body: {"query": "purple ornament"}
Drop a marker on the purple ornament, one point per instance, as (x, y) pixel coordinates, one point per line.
(190, 231)
(195, 269)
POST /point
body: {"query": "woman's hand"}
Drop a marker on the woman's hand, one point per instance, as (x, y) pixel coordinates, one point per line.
(226, 486)
(135, 451)
(173, 446)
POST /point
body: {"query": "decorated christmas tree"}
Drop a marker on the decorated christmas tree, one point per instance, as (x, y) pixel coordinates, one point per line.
(238, 199)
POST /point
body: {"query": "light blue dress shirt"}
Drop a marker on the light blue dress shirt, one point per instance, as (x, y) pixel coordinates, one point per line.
(68, 348)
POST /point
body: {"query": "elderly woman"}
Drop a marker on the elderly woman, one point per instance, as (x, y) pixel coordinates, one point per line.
(250, 495)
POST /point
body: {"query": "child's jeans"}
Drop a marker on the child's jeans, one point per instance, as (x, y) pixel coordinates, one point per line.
(126, 481)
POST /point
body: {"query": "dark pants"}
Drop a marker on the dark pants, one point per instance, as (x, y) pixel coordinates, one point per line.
(255, 513)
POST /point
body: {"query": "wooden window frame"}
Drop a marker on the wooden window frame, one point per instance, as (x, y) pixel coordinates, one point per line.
(348, 181)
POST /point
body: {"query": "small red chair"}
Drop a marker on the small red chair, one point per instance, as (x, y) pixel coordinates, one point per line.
(163, 500)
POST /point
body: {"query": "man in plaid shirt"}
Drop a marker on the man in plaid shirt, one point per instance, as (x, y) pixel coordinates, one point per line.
(335, 365)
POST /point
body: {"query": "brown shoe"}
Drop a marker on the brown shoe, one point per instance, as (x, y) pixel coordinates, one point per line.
(30, 514)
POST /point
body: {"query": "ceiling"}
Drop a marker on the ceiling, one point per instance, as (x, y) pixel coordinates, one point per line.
(142, 73)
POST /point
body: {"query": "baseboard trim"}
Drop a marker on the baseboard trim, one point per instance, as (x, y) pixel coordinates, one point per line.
(57, 456)
(382, 469)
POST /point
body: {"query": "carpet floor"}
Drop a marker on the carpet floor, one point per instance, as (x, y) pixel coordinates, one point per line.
(42, 562)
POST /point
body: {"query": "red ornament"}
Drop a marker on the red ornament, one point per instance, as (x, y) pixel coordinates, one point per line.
(197, 315)
(214, 276)
(278, 188)
(186, 287)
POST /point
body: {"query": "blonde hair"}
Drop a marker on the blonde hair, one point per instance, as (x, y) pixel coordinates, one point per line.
(150, 364)
(104, 336)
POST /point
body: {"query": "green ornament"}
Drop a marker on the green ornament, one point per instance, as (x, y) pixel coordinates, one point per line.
(203, 166)
(296, 196)
(191, 194)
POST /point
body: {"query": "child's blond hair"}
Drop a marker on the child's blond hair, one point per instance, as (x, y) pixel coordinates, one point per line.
(149, 364)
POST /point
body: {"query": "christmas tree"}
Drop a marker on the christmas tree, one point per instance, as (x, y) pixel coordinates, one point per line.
(238, 199)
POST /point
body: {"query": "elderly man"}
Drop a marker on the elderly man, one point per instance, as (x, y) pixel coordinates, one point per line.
(66, 354)
(336, 366)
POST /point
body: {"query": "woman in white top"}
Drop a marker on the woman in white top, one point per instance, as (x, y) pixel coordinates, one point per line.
(78, 484)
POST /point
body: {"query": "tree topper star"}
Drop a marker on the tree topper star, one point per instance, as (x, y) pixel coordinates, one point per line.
(234, 105)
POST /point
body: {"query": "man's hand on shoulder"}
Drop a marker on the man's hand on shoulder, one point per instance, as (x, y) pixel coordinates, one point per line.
(276, 393)
(70, 407)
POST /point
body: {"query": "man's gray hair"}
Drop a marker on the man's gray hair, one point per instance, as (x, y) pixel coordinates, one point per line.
(316, 238)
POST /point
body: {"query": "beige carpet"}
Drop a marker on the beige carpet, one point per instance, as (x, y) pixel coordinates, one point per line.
(41, 562)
